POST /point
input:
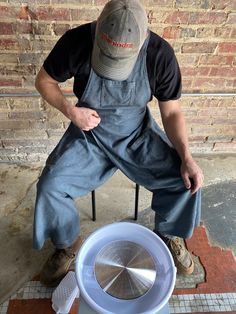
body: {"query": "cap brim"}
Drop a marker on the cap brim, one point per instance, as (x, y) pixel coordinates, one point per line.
(113, 69)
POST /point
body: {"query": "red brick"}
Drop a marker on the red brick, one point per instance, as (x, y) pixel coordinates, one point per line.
(221, 120)
(159, 3)
(84, 14)
(42, 44)
(53, 14)
(227, 47)
(6, 28)
(199, 4)
(212, 112)
(230, 83)
(187, 84)
(24, 134)
(3, 115)
(44, 125)
(200, 148)
(24, 27)
(233, 33)
(29, 143)
(222, 32)
(201, 71)
(223, 72)
(60, 29)
(220, 138)
(203, 32)
(223, 4)
(226, 147)
(8, 44)
(187, 32)
(44, 28)
(189, 60)
(9, 82)
(97, 2)
(6, 125)
(77, 2)
(198, 47)
(24, 43)
(17, 70)
(7, 12)
(175, 45)
(171, 32)
(8, 57)
(207, 18)
(36, 58)
(216, 60)
(197, 138)
(25, 115)
(43, 1)
(231, 19)
(178, 18)
(197, 120)
(212, 83)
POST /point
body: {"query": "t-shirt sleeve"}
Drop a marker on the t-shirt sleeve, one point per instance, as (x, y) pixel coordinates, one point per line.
(168, 84)
(58, 63)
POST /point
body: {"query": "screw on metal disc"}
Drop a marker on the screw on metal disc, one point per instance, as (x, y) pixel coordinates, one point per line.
(125, 270)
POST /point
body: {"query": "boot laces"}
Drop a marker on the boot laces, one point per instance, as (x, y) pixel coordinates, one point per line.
(177, 246)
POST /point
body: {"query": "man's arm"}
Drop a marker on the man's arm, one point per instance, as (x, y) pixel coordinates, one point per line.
(174, 125)
(84, 118)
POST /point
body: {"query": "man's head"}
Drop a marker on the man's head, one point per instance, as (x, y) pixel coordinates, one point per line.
(120, 33)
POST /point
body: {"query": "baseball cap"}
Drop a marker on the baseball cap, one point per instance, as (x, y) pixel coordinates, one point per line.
(120, 33)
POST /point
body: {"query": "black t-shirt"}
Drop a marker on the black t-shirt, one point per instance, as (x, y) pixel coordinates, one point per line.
(71, 56)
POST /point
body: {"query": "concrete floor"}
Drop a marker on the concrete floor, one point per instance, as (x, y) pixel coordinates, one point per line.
(115, 202)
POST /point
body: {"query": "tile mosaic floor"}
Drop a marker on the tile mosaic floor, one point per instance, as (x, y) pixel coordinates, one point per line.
(216, 295)
(35, 298)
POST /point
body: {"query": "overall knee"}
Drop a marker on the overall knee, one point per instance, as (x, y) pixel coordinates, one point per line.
(47, 184)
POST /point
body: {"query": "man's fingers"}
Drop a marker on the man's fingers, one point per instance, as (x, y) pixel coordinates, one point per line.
(93, 123)
(186, 179)
(96, 115)
(94, 119)
(197, 183)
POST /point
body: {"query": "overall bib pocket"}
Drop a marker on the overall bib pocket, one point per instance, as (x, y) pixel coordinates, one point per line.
(117, 94)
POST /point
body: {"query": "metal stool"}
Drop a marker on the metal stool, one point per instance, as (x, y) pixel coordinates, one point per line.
(135, 205)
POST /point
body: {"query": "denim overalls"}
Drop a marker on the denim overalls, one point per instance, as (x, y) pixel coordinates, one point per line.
(128, 139)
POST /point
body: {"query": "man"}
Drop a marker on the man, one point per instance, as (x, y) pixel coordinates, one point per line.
(118, 65)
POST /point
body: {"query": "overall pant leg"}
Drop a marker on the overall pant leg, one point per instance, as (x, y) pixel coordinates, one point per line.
(152, 163)
(76, 167)
(177, 211)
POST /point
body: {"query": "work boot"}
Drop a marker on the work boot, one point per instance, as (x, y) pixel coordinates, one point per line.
(58, 264)
(181, 256)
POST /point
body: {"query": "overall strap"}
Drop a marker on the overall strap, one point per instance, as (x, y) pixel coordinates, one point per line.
(93, 29)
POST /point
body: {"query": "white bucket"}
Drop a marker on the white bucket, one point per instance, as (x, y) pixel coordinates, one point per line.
(101, 302)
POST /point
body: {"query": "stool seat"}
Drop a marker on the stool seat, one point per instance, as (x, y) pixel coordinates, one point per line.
(93, 196)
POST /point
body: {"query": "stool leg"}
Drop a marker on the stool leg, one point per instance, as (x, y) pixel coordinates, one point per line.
(136, 202)
(93, 206)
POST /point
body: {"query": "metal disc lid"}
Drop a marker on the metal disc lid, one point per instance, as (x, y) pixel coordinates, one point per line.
(125, 270)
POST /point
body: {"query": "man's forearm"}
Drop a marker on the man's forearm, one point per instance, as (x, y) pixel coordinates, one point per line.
(174, 125)
(51, 92)
(175, 128)
(84, 118)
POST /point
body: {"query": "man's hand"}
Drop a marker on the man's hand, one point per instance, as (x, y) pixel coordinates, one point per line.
(192, 175)
(85, 118)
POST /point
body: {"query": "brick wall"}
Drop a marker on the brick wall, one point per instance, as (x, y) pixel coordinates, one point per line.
(202, 32)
